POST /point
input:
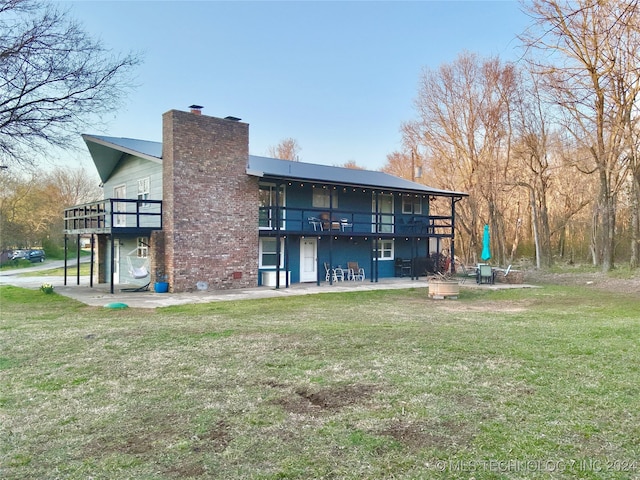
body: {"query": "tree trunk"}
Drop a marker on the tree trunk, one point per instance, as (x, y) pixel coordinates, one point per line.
(534, 224)
(634, 261)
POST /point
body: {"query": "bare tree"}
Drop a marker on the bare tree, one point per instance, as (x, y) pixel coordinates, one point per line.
(287, 149)
(55, 79)
(589, 65)
(464, 133)
(398, 164)
(534, 171)
(352, 165)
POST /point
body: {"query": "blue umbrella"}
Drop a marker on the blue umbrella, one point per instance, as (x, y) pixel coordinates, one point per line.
(486, 252)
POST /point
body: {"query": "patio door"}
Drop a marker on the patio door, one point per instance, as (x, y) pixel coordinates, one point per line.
(308, 259)
(383, 221)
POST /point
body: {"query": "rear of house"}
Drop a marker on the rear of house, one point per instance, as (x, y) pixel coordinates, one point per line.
(201, 213)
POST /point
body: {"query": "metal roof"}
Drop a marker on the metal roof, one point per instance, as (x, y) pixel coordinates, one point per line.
(274, 168)
(108, 151)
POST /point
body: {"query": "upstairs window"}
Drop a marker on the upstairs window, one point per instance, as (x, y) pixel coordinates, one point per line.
(143, 191)
(411, 205)
(321, 198)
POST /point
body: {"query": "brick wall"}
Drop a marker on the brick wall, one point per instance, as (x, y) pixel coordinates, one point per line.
(210, 204)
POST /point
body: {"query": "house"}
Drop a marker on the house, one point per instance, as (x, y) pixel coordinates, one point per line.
(200, 212)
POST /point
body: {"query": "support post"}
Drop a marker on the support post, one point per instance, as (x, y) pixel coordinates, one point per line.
(113, 251)
(78, 259)
(65, 259)
(93, 244)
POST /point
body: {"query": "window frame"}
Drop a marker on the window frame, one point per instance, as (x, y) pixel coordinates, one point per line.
(142, 249)
(262, 252)
(409, 204)
(390, 249)
(144, 191)
(324, 198)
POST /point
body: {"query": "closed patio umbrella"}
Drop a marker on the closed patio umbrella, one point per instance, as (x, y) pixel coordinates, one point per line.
(486, 252)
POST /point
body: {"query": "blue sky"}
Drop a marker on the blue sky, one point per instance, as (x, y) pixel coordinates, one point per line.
(339, 77)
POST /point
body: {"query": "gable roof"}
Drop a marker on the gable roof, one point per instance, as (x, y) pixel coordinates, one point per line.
(108, 151)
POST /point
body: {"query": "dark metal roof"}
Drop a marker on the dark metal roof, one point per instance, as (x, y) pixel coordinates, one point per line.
(107, 152)
(265, 167)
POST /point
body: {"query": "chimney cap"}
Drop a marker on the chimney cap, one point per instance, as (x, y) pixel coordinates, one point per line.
(196, 107)
(233, 119)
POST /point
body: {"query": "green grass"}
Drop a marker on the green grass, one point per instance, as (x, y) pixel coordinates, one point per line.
(537, 383)
(85, 269)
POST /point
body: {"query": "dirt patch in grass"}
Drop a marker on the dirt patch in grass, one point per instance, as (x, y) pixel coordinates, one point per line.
(215, 440)
(437, 434)
(187, 470)
(305, 400)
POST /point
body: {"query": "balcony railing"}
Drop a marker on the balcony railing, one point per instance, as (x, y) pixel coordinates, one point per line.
(348, 222)
(114, 214)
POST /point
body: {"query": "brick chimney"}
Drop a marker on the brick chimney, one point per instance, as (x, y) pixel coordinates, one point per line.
(196, 109)
(210, 204)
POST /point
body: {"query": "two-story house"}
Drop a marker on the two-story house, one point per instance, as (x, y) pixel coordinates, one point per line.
(200, 212)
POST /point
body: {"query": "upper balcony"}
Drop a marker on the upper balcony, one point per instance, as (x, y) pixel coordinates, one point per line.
(341, 222)
(114, 215)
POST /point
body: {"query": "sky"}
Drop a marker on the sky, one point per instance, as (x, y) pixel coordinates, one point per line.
(338, 77)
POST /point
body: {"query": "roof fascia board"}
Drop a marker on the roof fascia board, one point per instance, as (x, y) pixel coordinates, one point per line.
(120, 148)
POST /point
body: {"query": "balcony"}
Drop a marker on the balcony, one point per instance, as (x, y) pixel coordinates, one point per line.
(340, 222)
(114, 215)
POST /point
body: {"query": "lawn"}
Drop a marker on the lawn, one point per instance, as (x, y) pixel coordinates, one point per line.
(535, 383)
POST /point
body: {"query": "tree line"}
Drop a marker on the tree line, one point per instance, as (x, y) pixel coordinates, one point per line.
(31, 206)
(547, 147)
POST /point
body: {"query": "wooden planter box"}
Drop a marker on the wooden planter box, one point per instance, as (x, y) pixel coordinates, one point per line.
(441, 289)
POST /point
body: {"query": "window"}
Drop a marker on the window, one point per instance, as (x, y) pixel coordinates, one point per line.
(143, 191)
(411, 204)
(321, 198)
(267, 205)
(120, 208)
(269, 253)
(142, 251)
(385, 250)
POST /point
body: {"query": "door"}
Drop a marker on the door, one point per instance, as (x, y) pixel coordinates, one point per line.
(120, 192)
(308, 259)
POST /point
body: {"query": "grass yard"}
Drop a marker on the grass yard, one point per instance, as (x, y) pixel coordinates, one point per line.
(537, 383)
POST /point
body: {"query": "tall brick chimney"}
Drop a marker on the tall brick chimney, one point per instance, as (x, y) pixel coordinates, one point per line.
(210, 204)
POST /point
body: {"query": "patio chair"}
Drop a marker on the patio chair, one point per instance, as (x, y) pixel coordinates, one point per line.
(485, 274)
(316, 222)
(333, 274)
(355, 271)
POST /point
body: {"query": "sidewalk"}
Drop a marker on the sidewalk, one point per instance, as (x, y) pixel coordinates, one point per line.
(99, 295)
